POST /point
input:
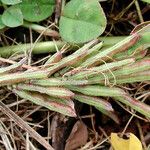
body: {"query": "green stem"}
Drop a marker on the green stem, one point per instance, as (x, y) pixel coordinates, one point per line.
(48, 47)
(41, 29)
(39, 48)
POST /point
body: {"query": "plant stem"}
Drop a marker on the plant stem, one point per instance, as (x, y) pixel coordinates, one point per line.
(40, 29)
(41, 47)
(49, 46)
(139, 11)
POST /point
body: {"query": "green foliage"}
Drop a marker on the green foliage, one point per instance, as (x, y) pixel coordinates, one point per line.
(36, 11)
(12, 17)
(1, 23)
(30, 10)
(11, 2)
(82, 21)
(147, 1)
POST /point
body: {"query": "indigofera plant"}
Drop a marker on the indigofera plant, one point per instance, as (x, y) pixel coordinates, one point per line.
(89, 75)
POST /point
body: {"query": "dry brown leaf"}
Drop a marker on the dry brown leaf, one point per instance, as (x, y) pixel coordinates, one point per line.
(58, 128)
(78, 136)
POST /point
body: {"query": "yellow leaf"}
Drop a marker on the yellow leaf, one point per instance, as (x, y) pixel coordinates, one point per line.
(132, 143)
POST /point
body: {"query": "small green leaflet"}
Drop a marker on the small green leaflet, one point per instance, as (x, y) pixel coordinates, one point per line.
(37, 10)
(82, 21)
(11, 2)
(1, 23)
(12, 17)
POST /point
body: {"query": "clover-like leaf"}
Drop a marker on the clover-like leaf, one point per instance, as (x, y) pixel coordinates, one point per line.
(82, 21)
(12, 17)
(1, 23)
(11, 2)
(35, 11)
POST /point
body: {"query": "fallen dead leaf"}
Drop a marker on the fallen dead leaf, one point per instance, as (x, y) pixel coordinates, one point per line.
(78, 136)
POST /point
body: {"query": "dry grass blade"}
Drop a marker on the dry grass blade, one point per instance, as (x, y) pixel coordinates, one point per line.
(13, 62)
(12, 67)
(55, 58)
(5, 138)
(24, 126)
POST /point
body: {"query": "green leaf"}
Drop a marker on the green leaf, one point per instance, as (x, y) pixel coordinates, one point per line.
(82, 21)
(97, 90)
(12, 17)
(134, 104)
(63, 106)
(52, 91)
(94, 101)
(11, 2)
(147, 1)
(1, 23)
(36, 11)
